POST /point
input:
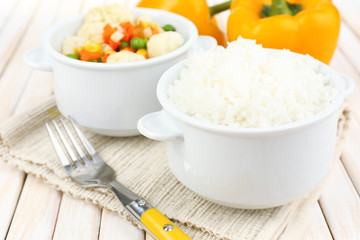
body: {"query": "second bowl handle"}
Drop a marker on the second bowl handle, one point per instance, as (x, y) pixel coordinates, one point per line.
(159, 127)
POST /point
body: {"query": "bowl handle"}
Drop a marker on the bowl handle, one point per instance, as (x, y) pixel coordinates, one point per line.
(203, 43)
(348, 83)
(39, 59)
(158, 126)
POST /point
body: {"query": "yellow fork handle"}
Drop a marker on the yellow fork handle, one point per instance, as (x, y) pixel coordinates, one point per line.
(161, 227)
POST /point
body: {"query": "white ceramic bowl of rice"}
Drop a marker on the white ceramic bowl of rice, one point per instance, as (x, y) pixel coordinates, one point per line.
(248, 127)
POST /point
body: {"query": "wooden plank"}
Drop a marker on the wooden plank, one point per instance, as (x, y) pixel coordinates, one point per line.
(114, 227)
(11, 183)
(77, 219)
(317, 227)
(349, 43)
(6, 9)
(15, 178)
(13, 81)
(35, 94)
(341, 64)
(349, 11)
(36, 213)
(340, 204)
(12, 179)
(14, 29)
(40, 84)
(351, 154)
(38, 88)
(149, 237)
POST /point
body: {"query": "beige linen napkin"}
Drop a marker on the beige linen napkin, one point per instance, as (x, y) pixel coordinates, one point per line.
(141, 165)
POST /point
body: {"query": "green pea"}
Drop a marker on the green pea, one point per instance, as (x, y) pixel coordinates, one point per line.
(123, 44)
(168, 27)
(71, 56)
(93, 60)
(137, 43)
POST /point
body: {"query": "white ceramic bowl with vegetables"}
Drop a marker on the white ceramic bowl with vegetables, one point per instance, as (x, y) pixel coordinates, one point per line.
(110, 97)
(250, 133)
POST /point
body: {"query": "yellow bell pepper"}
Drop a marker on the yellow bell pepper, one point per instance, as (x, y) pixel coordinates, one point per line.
(196, 11)
(303, 26)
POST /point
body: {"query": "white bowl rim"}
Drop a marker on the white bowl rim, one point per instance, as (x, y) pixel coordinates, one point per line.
(236, 131)
(121, 66)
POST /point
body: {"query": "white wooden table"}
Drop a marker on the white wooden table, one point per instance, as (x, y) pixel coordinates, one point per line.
(30, 209)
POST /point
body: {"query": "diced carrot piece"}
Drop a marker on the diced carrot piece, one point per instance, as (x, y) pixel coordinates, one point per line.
(139, 30)
(126, 25)
(108, 31)
(104, 58)
(128, 31)
(127, 37)
(114, 45)
(87, 56)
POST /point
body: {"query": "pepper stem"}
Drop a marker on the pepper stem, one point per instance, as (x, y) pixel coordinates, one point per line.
(219, 8)
(279, 7)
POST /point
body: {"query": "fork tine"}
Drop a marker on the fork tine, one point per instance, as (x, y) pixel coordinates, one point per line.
(82, 137)
(63, 158)
(67, 146)
(76, 144)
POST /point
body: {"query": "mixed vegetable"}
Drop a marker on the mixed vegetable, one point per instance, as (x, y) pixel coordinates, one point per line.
(109, 35)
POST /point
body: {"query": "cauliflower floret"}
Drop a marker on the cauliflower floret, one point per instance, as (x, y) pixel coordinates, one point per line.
(94, 15)
(163, 43)
(124, 56)
(144, 17)
(72, 44)
(114, 13)
(117, 14)
(92, 31)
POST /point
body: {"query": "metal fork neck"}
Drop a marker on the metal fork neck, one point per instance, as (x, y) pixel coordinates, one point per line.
(133, 203)
(122, 193)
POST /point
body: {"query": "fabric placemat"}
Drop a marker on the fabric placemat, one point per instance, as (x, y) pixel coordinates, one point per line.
(141, 165)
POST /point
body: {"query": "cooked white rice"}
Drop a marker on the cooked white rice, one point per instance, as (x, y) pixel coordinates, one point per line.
(247, 86)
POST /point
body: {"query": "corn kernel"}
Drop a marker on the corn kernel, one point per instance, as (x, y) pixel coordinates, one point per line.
(149, 24)
(92, 46)
(142, 51)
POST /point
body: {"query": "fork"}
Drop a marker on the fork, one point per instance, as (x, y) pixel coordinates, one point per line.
(89, 170)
